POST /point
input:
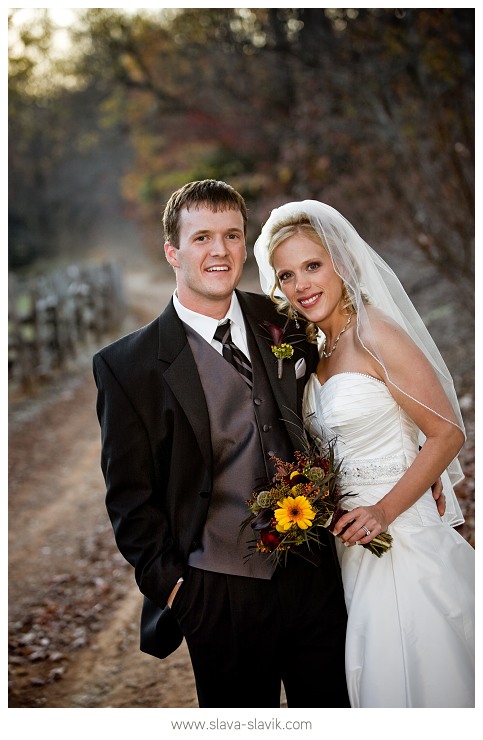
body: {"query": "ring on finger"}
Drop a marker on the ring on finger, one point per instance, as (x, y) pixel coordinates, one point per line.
(367, 531)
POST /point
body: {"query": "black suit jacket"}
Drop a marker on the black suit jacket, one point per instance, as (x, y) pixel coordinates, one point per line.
(156, 450)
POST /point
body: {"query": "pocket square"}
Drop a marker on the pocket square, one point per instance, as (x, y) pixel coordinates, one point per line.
(300, 368)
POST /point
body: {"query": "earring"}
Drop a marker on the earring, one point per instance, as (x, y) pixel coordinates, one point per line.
(295, 317)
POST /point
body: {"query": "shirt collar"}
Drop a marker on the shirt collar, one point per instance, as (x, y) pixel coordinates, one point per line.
(205, 325)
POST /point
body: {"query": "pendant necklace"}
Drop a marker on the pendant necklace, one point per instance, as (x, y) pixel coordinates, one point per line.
(328, 354)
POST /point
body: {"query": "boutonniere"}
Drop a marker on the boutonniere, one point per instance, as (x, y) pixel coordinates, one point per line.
(282, 350)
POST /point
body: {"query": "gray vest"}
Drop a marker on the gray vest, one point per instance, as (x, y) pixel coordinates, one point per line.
(245, 428)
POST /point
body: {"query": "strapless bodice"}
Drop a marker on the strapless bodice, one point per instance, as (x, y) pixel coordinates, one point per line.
(373, 436)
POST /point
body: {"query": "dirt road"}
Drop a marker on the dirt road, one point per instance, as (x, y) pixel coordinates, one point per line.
(74, 608)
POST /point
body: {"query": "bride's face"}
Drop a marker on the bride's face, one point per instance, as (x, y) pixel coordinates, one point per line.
(308, 279)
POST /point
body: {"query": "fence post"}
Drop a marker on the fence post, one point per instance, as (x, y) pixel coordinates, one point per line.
(51, 316)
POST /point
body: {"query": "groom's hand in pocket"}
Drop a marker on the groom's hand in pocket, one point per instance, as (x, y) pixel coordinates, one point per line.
(174, 592)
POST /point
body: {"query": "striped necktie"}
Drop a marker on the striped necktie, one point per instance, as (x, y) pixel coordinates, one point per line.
(234, 355)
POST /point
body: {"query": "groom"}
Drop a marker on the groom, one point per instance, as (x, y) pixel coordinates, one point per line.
(185, 439)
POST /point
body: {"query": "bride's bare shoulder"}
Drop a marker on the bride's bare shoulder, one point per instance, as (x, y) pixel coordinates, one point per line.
(381, 323)
(390, 336)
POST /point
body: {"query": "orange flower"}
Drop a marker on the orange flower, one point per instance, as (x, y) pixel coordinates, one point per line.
(293, 512)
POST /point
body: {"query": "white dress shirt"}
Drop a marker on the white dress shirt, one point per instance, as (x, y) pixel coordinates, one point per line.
(206, 326)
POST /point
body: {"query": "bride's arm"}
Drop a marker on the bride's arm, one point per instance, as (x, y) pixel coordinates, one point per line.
(409, 370)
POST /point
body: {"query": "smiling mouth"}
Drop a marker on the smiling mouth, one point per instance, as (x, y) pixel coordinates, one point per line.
(307, 302)
(218, 269)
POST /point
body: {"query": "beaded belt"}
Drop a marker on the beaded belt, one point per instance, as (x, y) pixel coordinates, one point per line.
(378, 470)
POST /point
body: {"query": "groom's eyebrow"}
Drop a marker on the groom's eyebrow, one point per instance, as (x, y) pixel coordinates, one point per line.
(229, 230)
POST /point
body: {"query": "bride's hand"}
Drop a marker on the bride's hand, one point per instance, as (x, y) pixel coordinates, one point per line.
(361, 525)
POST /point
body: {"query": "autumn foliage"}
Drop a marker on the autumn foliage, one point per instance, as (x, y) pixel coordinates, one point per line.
(371, 110)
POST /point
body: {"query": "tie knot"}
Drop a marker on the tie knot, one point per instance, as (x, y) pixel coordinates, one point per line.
(223, 332)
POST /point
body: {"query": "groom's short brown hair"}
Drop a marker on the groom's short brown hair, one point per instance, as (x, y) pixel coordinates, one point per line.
(214, 194)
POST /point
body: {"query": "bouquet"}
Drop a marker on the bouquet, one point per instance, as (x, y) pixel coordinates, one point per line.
(303, 499)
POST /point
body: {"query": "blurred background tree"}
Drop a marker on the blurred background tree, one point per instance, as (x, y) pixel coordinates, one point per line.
(370, 110)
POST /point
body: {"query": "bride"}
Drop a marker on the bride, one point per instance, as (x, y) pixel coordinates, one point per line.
(384, 394)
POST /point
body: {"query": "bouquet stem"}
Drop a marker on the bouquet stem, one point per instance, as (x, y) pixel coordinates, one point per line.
(378, 546)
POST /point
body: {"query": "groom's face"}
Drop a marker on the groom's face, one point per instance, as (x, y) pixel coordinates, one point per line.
(209, 260)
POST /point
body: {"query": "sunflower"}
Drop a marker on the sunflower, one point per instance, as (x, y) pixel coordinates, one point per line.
(293, 511)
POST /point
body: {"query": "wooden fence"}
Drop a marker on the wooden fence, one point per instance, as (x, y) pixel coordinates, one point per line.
(51, 317)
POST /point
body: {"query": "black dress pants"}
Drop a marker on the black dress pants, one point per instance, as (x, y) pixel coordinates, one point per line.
(246, 636)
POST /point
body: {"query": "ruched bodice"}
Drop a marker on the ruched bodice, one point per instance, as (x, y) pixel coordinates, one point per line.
(419, 596)
(374, 439)
(360, 413)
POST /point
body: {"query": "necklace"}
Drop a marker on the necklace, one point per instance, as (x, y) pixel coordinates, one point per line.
(328, 354)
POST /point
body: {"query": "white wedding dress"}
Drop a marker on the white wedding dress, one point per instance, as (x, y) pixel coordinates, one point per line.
(410, 632)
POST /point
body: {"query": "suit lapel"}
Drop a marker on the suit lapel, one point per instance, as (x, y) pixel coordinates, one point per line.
(183, 378)
(285, 388)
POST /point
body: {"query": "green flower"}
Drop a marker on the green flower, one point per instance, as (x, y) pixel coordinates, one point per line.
(264, 499)
(282, 351)
(315, 474)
